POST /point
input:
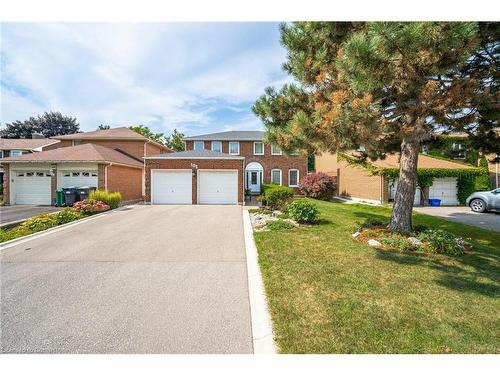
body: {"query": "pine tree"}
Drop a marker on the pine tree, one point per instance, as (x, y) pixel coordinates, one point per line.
(381, 85)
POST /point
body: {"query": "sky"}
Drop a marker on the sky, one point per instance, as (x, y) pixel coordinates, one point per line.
(195, 77)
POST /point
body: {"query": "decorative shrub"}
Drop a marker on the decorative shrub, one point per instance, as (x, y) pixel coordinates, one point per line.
(40, 222)
(68, 215)
(113, 200)
(276, 198)
(317, 185)
(90, 206)
(303, 211)
(442, 242)
(279, 225)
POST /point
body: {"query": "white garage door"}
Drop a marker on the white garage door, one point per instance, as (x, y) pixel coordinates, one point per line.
(444, 189)
(77, 178)
(31, 187)
(171, 187)
(218, 187)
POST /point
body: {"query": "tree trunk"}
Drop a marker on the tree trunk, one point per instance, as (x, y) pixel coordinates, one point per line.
(401, 219)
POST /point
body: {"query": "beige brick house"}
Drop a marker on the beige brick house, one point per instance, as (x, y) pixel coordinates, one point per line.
(357, 183)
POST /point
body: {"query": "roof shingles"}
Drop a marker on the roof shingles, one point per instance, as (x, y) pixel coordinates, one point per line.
(88, 152)
(242, 135)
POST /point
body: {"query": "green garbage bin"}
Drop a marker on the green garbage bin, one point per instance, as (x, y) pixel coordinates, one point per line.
(59, 199)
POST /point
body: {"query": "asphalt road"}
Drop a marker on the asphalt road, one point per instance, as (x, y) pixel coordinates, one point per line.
(464, 215)
(9, 214)
(153, 279)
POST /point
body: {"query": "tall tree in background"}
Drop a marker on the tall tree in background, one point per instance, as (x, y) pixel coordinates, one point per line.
(148, 133)
(50, 124)
(175, 142)
(380, 85)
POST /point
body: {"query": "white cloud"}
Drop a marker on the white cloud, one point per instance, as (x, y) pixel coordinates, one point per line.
(165, 76)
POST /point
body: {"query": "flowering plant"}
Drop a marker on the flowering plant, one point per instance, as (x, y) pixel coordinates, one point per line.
(90, 206)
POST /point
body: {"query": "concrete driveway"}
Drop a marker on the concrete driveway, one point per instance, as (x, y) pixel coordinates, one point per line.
(11, 214)
(464, 215)
(152, 279)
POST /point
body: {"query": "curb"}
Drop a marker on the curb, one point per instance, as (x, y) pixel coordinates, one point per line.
(262, 329)
(20, 240)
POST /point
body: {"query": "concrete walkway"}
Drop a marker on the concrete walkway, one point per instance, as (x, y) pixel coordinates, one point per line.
(464, 215)
(152, 279)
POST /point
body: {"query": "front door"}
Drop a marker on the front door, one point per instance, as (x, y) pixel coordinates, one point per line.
(253, 180)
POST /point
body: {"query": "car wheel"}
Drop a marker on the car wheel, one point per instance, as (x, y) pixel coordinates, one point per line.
(477, 205)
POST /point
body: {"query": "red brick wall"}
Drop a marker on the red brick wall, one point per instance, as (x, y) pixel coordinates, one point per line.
(202, 164)
(268, 161)
(57, 145)
(126, 180)
(6, 181)
(152, 149)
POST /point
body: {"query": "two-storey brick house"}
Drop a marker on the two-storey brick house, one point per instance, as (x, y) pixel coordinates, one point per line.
(217, 168)
(264, 163)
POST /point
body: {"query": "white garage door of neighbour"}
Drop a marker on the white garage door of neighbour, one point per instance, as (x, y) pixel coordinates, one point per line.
(218, 187)
(31, 187)
(77, 178)
(171, 187)
(444, 189)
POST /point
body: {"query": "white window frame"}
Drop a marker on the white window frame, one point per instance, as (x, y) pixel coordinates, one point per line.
(198, 142)
(281, 176)
(273, 151)
(257, 153)
(216, 142)
(233, 153)
(16, 152)
(298, 174)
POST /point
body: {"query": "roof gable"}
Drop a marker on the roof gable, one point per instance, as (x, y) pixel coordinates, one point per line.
(123, 133)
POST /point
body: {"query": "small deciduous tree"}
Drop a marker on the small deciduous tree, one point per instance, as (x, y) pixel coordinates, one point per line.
(175, 141)
(382, 85)
(148, 133)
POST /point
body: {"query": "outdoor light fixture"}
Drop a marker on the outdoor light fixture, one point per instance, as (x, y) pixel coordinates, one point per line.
(194, 168)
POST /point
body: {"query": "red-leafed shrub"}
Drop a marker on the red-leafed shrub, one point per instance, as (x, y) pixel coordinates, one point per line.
(90, 206)
(317, 185)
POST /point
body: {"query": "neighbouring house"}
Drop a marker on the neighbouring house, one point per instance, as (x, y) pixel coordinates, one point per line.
(358, 182)
(217, 168)
(22, 146)
(456, 146)
(122, 139)
(106, 159)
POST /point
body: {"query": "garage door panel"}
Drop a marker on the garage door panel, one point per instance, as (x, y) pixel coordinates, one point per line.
(218, 187)
(77, 178)
(32, 187)
(171, 187)
(444, 189)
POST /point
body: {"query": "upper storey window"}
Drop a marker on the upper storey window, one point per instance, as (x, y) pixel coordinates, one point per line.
(258, 148)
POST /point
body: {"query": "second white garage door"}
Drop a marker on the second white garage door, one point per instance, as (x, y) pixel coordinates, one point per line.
(218, 187)
(171, 187)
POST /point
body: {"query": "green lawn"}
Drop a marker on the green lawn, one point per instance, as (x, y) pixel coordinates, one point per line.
(329, 293)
